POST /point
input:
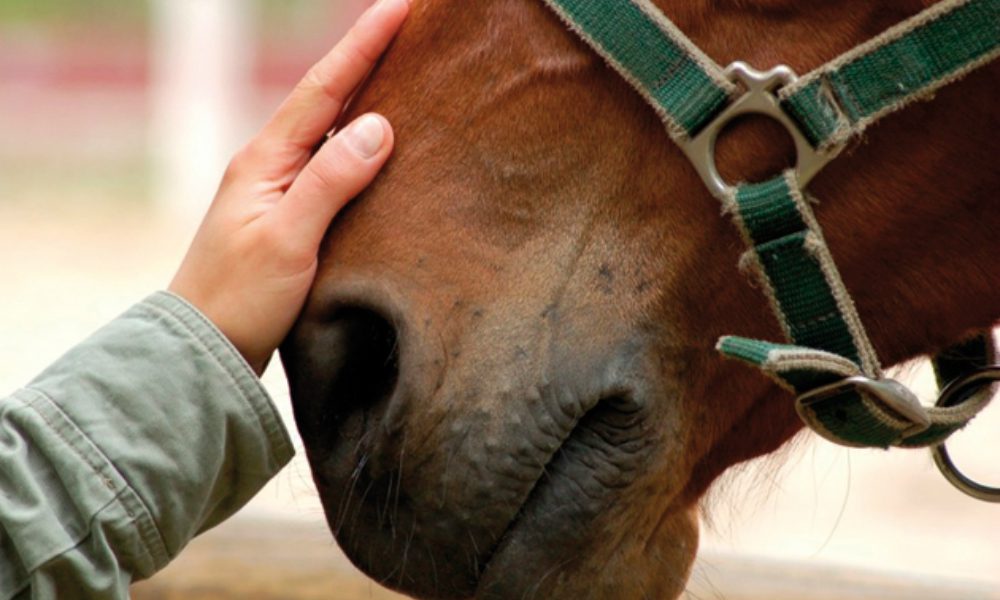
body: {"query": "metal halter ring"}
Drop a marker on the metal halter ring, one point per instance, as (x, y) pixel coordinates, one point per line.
(759, 98)
(957, 391)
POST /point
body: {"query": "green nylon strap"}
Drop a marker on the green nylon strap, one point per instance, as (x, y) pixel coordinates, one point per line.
(908, 62)
(683, 85)
(802, 283)
(851, 419)
(828, 343)
(838, 100)
(949, 365)
(832, 103)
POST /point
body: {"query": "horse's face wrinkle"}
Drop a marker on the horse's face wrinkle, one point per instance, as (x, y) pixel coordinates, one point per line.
(505, 374)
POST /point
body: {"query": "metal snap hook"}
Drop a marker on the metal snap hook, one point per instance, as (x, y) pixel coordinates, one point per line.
(957, 391)
(759, 98)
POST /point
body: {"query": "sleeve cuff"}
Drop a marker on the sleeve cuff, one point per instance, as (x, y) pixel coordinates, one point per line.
(239, 370)
(159, 415)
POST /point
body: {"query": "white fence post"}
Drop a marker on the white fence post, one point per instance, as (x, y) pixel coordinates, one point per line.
(201, 67)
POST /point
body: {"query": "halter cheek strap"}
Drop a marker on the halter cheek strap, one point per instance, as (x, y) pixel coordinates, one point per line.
(829, 363)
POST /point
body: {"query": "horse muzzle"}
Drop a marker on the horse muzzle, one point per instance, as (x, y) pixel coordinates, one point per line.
(453, 460)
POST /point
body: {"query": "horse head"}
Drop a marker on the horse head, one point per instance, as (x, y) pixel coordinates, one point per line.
(505, 375)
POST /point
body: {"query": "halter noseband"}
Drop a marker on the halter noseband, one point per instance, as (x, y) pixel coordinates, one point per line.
(830, 364)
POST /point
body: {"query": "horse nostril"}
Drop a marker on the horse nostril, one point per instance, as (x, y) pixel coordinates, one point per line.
(369, 365)
(345, 364)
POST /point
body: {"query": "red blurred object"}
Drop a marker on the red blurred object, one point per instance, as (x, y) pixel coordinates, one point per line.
(91, 57)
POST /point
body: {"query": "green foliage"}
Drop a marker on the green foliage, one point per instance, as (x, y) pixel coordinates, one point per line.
(280, 8)
(32, 11)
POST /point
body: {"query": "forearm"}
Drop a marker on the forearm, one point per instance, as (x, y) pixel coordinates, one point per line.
(148, 433)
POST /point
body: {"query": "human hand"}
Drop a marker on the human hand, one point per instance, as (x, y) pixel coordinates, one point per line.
(254, 257)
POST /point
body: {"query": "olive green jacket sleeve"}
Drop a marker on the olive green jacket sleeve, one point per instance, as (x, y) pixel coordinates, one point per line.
(148, 433)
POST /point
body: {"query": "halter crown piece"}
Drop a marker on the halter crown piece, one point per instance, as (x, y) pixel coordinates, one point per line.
(829, 362)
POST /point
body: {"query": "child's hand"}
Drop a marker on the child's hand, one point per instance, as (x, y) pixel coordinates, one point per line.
(254, 256)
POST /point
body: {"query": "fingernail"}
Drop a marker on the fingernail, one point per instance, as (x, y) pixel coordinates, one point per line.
(365, 136)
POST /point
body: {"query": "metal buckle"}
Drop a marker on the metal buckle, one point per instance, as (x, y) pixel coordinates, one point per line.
(890, 393)
(952, 394)
(758, 99)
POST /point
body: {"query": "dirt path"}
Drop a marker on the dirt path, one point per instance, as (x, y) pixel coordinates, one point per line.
(262, 560)
(251, 559)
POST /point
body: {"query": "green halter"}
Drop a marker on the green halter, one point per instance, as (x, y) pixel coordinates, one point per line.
(830, 364)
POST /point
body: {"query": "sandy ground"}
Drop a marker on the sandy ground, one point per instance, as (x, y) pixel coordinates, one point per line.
(69, 267)
(262, 559)
(301, 563)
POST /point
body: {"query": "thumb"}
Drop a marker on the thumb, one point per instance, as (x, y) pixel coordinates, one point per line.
(338, 172)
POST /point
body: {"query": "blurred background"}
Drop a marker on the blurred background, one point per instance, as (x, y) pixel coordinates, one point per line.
(116, 121)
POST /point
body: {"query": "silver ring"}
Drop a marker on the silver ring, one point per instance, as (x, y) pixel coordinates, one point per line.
(952, 394)
(760, 99)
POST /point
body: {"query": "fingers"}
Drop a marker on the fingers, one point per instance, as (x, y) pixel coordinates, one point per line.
(341, 169)
(311, 109)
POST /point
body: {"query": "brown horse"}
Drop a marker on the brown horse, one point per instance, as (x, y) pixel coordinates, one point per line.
(505, 375)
